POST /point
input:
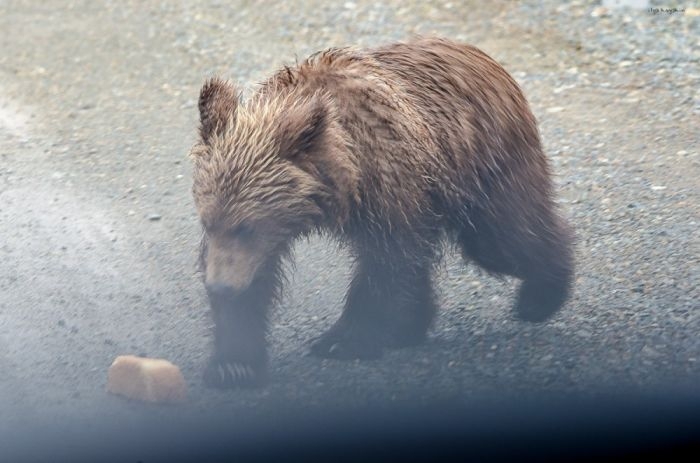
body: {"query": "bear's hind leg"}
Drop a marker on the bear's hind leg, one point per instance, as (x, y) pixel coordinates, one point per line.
(548, 272)
(386, 306)
(539, 254)
(540, 297)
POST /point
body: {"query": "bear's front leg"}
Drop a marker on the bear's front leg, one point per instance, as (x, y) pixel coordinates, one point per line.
(387, 306)
(358, 332)
(240, 348)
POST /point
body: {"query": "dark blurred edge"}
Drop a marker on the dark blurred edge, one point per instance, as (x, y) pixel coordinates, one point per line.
(535, 429)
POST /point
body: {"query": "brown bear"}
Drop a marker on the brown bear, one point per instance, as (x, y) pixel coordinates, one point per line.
(392, 151)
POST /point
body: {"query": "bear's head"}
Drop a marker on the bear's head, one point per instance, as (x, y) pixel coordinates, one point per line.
(265, 173)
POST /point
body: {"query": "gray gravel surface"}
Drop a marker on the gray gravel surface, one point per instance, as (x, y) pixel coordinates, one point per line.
(99, 233)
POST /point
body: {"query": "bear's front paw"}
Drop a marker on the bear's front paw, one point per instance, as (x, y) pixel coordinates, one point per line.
(222, 374)
(341, 344)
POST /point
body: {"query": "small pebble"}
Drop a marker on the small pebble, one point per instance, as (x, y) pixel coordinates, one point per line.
(555, 109)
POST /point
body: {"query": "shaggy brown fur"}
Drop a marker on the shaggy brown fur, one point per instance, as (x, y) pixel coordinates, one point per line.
(390, 150)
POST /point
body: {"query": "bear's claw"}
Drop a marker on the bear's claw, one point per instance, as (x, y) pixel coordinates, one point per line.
(335, 345)
(227, 375)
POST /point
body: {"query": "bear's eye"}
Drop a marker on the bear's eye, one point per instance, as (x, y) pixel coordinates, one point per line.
(240, 232)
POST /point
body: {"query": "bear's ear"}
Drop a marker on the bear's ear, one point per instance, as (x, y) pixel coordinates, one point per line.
(302, 127)
(218, 101)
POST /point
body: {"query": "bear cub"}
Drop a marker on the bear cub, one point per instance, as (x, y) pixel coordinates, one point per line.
(392, 151)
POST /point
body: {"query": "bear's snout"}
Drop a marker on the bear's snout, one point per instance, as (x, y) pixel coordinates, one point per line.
(221, 291)
(231, 266)
(228, 282)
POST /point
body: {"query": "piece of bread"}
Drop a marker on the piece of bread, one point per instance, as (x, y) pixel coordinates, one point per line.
(147, 379)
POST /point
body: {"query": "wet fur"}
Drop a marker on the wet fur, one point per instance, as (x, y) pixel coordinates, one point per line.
(390, 151)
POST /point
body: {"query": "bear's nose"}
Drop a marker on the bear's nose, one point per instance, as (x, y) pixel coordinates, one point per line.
(221, 290)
